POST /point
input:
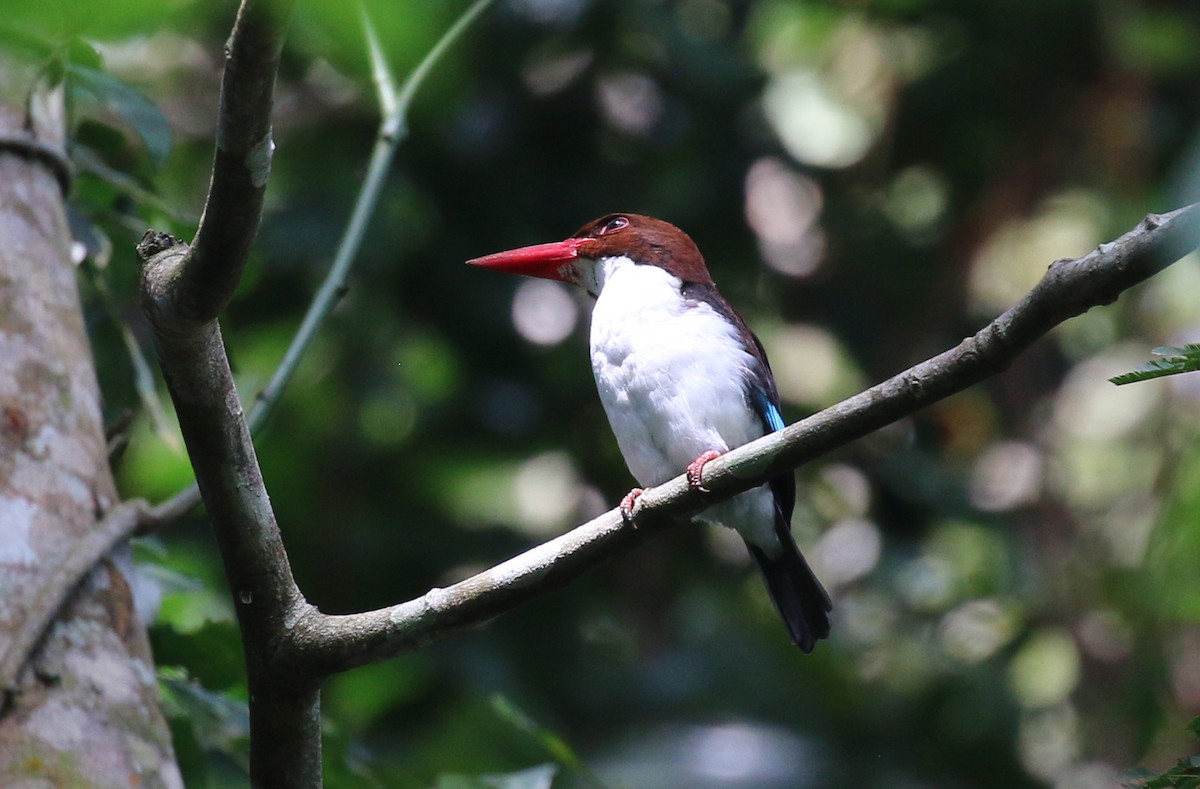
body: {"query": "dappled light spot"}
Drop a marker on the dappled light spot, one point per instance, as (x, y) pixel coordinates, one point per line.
(1049, 741)
(706, 757)
(903, 665)
(975, 630)
(387, 416)
(810, 364)
(1105, 635)
(429, 366)
(1015, 256)
(1007, 475)
(840, 490)
(559, 13)
(815, 126)
(549, 70)
(848, 550)
(1169, 306)
(538, 496)
(783, 207)
(915, 201)
(866, 616)
(543, 312)
(546, 490)
(333, 87)
(927, 583)
(629, 101)
(1089, 407)
(1046, 669)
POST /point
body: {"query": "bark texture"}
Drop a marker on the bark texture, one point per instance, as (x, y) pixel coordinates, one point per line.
(83, 709)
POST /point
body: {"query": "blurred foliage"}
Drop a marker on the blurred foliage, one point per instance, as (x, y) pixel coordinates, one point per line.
(1013, 569)
(1184, 775)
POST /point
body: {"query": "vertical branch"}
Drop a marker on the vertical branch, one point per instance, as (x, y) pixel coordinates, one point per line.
(241, 164)
(393, 129)
(184, 289)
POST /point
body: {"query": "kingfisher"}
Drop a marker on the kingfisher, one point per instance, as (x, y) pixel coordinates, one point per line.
(682, 380)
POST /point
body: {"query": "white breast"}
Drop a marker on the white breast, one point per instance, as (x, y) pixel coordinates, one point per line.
(670, 373)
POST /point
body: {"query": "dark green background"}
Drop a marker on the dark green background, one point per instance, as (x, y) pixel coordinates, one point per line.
(1045, 639)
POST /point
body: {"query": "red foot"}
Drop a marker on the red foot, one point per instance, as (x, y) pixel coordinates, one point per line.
(627, 506)
(696, 468)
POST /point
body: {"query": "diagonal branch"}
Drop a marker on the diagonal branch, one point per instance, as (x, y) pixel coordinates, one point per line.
(1070, 287)
(392, 132)
(60, 581)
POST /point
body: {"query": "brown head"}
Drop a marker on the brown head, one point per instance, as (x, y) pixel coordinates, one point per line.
(643, 239)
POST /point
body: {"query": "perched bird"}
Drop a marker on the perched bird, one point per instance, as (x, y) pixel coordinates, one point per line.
(682, 380)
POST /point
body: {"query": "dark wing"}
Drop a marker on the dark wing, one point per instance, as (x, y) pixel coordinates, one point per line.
(764, 399)
(802, 602)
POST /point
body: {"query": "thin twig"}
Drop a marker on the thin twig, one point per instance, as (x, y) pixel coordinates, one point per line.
(57, 584)
(381, 73)
(392, 132)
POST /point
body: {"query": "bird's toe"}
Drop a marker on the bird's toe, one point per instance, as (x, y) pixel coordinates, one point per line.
(627, 506)
(696, 468)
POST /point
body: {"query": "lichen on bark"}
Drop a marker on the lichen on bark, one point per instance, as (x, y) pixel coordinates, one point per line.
(83, 710)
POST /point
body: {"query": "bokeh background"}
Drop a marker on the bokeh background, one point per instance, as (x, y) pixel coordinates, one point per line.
(1013, 570)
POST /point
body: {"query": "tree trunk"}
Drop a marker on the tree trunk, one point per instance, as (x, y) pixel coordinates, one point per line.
(84, 709)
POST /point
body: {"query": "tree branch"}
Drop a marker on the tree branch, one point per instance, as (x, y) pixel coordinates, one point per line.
(1070, 287)
(285, 743)
(183, 290)
(393, 129)
(241, 164)
(137, 516)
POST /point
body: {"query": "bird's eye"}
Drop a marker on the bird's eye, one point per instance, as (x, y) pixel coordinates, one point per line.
(616, 223)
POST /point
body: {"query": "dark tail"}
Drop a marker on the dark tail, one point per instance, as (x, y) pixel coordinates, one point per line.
(795, 591)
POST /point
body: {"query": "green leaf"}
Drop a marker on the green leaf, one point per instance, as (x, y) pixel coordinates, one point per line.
(88, 161)
(219, 722)
(82, 53)
(1184, 775)
(1184, 359)
(212, 653)
(104, 98)
(539, 777)
(553, 744)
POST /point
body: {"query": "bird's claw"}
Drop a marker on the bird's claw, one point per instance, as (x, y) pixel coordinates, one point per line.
(696, 468)
(627, 506)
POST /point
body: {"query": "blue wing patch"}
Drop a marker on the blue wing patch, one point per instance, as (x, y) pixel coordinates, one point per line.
(767, 411)
(784, 486)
